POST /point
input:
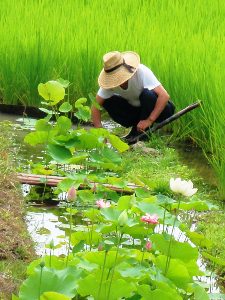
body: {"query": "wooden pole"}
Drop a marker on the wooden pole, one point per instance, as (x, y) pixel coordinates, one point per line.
(165, 122)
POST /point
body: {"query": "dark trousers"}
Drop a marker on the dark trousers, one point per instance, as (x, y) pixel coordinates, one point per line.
(127, 115)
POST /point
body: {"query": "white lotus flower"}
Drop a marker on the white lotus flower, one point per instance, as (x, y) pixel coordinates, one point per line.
(182, 187)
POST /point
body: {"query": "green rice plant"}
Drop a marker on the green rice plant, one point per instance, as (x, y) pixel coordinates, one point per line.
(182, 42)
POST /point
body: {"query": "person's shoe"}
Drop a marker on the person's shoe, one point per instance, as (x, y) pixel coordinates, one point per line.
(141, 136)
(133, 132)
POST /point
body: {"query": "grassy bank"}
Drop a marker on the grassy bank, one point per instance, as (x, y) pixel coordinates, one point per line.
(15, 245)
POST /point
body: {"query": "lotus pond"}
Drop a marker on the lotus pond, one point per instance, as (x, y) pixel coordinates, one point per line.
(108, 239)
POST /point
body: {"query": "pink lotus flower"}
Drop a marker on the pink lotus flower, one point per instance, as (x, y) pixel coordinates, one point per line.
(103, 204)
(150, 219)
(148, 245)
(72, 194)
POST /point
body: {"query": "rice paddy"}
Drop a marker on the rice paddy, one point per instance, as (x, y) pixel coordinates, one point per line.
(183, 42)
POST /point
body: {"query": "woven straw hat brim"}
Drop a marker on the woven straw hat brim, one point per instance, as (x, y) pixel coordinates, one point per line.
(120, 75)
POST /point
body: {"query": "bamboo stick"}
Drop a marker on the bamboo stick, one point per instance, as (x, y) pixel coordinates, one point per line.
(165, 122)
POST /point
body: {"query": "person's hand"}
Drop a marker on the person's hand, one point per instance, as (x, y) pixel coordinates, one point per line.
(143, 124)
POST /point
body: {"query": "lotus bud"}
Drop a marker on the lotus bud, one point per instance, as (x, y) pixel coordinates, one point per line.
(42, 264)
(123, 218)
(148, 245)
(100, 247)
(72, 194)
(51, 244)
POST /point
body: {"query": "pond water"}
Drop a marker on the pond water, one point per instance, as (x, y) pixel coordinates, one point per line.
(47, 223)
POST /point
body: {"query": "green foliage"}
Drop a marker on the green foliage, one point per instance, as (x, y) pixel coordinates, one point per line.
(60, 281)
(52, 91)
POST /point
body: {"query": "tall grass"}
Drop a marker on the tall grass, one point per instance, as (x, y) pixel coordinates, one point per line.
(183, 42)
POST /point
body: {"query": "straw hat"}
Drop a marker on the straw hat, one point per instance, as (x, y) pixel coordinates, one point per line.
(118, 68)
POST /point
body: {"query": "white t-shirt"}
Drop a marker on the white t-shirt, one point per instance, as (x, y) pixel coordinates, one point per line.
(143, 78)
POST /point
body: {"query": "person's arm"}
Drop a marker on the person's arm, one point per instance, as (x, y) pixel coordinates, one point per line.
(161, 102)
(96, 113)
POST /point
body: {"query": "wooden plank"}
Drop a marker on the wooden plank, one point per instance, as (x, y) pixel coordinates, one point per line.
(49, 180)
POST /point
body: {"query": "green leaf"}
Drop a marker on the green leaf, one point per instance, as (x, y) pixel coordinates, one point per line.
(42, 125)
(151, 209)
(117, 143)
(128, 271)
(63, 124)
(64, 83)
(157, 294)
(59, 153)
(109, 155)
(79, 102)
(78, 247)
(51, 91)
(182, 251)
(125, 202)
(86, 195)
(116, 182)
(199, 239)
(38, 137)
(60, 281)
(110, 214)
(65, 107)
(87, 237)
(123, 218)
(83, 113)
(177, 271)
(86, 140)
(142, 193)
(67, 183)
(119, 288)
(53, 296)
(200, 293)
(47, 111)
(192, 205)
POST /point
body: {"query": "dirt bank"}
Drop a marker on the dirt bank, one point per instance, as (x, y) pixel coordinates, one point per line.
(16, 247)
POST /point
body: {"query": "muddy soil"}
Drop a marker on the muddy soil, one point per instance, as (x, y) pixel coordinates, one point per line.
(15, 243)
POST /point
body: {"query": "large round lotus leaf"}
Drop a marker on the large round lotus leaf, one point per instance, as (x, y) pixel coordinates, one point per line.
(51, 91)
